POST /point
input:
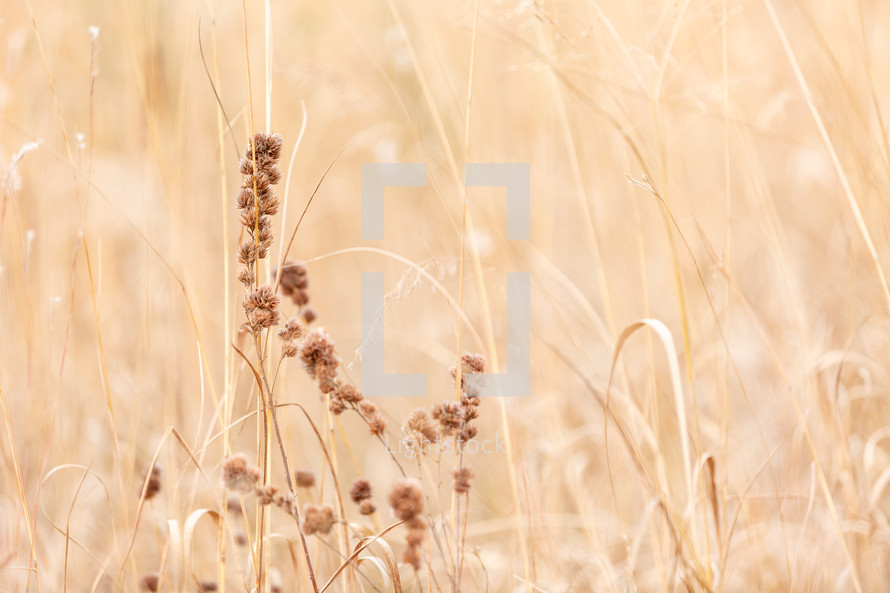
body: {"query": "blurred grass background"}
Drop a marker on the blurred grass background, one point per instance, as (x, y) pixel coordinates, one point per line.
(681, 168)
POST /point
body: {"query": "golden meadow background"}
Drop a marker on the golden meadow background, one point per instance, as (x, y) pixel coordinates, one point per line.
(721, 167)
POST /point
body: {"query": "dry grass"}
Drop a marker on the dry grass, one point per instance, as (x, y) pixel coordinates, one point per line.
(708, 248)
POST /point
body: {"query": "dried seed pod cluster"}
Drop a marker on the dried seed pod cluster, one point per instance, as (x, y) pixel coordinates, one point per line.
(462, 477)
(294, 283)
(361, 495)
(449, 418)
(318, 519)
(304, 478)
(257, 202)
(407, 502)
(240, 476)
(151, 482)
(321, 362)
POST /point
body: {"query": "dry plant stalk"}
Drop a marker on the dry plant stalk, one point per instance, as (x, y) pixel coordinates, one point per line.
(257, 202)
(408, 499)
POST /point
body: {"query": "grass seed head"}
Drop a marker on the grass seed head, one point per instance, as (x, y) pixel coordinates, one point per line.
(304, 478)
(361, 490)
(239, 475)
(406, 499)
(318, 519)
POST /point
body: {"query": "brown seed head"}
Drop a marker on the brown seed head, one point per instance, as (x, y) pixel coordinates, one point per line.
(412, 556)
(246, 276)
(361, 490)
(266, 494)
(326, 375)
(462, 477)
(286, 502)
(233, 504)
(300, 298)
(406, 499)
(420, 428)
(318, 350)
(367, 408)
(318, 519)
(450, 415)
(247, 252)
(467, 433)
(472, 363)
(336, 406)
(291, 330)
(239, 474)
(304, 478)
(290, 349)
(348, 393)
(150, 581)
(294, 277)
(152, 478)
(263, 297)
(261, 307)
(263, 318)
(377, 424)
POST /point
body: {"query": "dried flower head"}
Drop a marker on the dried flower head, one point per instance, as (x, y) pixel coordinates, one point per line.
(318, 519)
(261, 307)
(467, 433)
(367, 507)
(151, 482)
(291, 330)
(361, 490)
(415, 537)
(470, 364)
(406, 499)
(241, 539)
(239, 474)
(419, 430)
(295, 282)
(257, 201)
(412, 556)
(470, 407)
(266, 494)
(462, 477)
(247, 253)
(377, 424)
(374, 419)
(336, 406)
(208, 586)
(290, 349)
(233, 504)
(318, 350)
(150, 581)
(246, 276)
(304, 478)
(450, 415)
(309, 315)
(326, 376)
(348, 393)
(286, 502)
